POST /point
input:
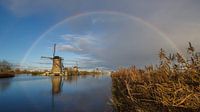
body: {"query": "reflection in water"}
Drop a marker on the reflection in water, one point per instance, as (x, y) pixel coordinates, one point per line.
(5, 84)
(56, 84)
(28, 93)
(71, 79)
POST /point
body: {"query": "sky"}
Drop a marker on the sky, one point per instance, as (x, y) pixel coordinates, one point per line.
(96, 33)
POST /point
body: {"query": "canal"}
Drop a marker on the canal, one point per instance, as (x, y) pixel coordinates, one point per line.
(26, 93)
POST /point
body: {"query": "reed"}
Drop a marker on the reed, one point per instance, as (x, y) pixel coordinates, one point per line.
(173, 85)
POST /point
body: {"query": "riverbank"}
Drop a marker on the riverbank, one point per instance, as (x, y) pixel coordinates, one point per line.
(12, 74)
(6, 74)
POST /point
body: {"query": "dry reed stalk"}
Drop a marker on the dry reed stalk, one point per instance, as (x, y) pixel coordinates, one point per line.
(174, 84)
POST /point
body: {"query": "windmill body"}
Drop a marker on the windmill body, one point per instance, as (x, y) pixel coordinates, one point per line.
(57, 66)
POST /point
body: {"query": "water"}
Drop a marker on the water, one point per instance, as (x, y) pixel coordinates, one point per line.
(26, 93)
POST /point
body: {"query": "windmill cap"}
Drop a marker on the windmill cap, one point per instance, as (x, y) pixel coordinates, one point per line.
(56, 57)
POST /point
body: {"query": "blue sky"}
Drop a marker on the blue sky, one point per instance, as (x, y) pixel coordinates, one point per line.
(100, 33)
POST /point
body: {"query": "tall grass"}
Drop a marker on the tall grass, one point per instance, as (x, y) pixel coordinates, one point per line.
(173, 85)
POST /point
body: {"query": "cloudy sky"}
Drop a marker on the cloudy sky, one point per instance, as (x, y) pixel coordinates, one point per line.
(96, 33)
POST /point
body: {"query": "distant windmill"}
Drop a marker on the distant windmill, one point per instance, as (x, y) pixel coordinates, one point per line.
(75, 68)
(57, 66)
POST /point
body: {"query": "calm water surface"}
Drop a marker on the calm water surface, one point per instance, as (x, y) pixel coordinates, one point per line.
(27, 93)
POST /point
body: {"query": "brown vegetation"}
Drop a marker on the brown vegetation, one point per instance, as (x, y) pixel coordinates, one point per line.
(173, 85)
(6, 69)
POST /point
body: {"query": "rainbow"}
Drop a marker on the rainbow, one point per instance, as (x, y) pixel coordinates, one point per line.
(140, 20)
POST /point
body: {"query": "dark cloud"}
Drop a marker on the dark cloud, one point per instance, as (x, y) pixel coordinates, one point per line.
(121, 42)
(116, 40)
(144, 8)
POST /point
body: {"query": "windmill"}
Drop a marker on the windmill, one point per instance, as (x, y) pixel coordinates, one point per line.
(75, 68)
(57, 66)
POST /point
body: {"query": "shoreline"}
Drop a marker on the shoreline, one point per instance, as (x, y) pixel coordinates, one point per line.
(6, 75)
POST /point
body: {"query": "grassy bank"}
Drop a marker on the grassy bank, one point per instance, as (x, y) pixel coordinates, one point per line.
(6, 69)
(81, 72)
(6, 74)
(89, 73)
(173, 85)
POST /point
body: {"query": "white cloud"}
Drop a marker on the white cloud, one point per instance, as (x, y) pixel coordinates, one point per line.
(135, 7)
(70, 37)
(77, 43)
(67, 48)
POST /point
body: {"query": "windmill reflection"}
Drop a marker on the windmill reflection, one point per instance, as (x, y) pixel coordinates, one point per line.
(70, 79)
(56, 84)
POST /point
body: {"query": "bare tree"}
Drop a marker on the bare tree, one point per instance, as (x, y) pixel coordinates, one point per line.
(5, 66)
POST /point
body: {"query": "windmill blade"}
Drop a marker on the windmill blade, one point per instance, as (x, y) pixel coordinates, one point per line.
(61, 58)
(54, 50)
(46, 57)
(45, 63)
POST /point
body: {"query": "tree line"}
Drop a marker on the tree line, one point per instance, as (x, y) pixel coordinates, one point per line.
(5, 66)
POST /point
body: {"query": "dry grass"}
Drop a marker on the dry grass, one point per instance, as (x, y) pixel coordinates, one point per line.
(173, 85)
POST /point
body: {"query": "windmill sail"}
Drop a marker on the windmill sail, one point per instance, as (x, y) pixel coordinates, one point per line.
(54, 50)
